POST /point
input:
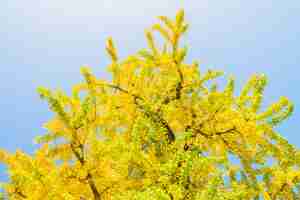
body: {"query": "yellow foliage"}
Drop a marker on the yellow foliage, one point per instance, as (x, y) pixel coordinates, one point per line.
(159, 130)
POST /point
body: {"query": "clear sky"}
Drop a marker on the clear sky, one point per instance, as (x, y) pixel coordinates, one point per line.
(46, 42)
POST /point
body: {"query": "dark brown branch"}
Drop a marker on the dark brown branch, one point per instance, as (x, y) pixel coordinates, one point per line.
(169, 194)
(206, 135)
(226, 143)
(226, 131)
(77, 154)
(80, 158)
(81, 180)
(93, 187)
(124, 91)
(154, 116)
(199, 131)
(177, 96)
(178, 89)
(179, 86)
(20, 194)
(281, 189)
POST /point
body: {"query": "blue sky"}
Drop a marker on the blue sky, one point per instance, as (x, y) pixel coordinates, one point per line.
(46, 43)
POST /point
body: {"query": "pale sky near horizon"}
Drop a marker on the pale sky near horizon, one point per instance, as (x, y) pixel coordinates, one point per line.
(46, 43)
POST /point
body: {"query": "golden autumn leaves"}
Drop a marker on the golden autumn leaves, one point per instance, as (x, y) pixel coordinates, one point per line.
(158, 130)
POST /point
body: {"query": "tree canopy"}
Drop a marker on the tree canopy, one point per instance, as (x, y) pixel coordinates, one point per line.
(160, 129)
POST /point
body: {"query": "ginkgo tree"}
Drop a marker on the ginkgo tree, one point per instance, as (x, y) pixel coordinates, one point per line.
(160, 129)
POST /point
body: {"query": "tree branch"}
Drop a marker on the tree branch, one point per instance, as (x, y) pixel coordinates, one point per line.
(154, 116)
(178, 88)
(90, 179)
